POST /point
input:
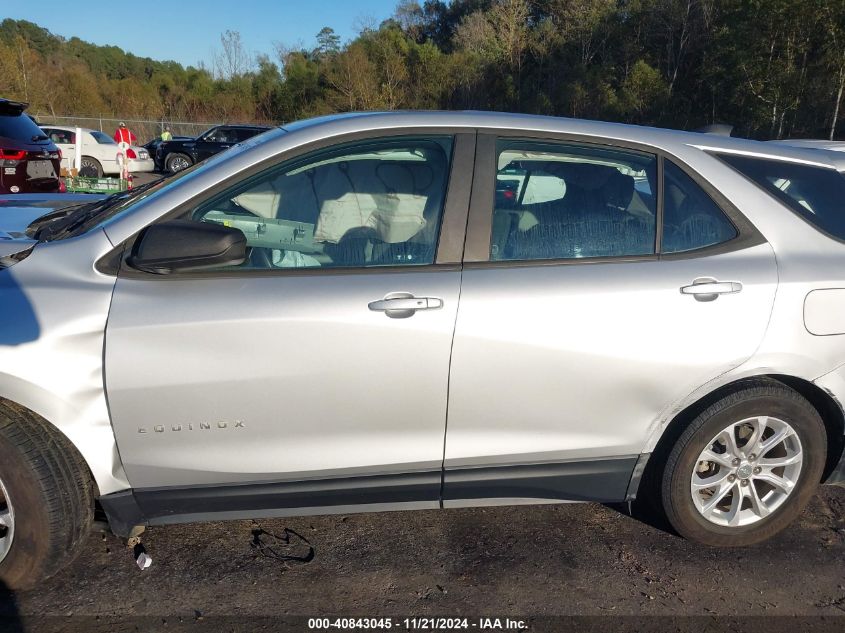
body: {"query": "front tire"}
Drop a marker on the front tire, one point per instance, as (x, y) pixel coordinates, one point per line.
(46, 498)
(745, 467)
(177, 162)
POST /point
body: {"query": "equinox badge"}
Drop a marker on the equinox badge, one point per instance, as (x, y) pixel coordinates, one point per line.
(202, 426)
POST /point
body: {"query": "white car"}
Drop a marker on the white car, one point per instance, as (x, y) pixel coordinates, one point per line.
(99, 152)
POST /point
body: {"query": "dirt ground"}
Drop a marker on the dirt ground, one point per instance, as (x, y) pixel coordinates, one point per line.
(529, 563)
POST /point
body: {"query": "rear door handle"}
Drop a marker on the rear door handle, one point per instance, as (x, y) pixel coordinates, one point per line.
(708, 289)
(401, 305)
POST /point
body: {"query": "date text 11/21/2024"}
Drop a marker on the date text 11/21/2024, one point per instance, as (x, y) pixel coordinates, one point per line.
(418, 624)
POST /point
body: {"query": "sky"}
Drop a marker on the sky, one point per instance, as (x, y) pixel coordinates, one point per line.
(187, 31)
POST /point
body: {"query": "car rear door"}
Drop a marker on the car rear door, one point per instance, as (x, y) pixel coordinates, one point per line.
(601, 285)
(326, 355)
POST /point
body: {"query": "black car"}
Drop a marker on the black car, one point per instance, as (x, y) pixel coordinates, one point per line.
(152, 146)
(29, 161)
(177, 155)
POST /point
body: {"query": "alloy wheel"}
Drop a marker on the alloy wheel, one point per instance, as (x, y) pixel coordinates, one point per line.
(747, 471)
(178, 164)
(7, 522)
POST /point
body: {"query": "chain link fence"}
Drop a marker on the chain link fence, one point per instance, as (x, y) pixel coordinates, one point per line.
(145, 130)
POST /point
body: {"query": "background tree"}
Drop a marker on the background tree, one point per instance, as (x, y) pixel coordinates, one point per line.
(773, 68)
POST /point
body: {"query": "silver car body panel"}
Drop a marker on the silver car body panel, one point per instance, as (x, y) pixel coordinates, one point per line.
(321, 385)
(577, 361)
(51, 346)
(635, 385)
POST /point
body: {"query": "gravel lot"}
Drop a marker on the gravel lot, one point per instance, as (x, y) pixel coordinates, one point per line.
(525, 562)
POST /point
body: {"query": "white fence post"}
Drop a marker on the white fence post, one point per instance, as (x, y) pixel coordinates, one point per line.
(77, 157)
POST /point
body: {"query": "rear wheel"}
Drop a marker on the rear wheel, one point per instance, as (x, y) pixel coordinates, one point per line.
(46, 498)
(177, 162)
(90, 167)
(745, 468)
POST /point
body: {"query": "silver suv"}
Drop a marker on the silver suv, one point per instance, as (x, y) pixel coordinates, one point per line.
(429, 310)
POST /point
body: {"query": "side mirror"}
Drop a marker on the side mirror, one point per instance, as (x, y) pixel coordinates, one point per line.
(185, 245)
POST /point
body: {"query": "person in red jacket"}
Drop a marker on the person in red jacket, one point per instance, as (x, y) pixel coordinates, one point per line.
(123, 134)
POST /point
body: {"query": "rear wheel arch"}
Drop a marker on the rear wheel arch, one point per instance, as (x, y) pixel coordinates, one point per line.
(828, 409)
(93, 167)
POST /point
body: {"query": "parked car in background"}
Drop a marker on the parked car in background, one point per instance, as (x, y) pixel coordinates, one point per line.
(152, 146)
(29, 160)
(99, 152)
(282, 330)
(177, 155)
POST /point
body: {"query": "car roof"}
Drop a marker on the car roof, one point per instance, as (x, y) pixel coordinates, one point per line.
(67, 128)
(651, 136)
(836, 146)
(12, 108)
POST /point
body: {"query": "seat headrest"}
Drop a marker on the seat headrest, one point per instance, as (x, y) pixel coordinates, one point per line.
(618, 190)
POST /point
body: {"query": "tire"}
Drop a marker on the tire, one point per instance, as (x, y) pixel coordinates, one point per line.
(177, 162)
(45, 482)
(90, 168)
(753, 509)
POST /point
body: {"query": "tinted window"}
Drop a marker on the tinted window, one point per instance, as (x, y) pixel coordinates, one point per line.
(222, 135)
(19, 127)
(814, 193)
(102, 138)
(372, 204)
(243, 134)
(691, 219)
(563, 201)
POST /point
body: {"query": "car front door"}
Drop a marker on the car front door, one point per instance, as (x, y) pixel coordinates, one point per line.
(579, 327)
(214, 141)
(325, 355)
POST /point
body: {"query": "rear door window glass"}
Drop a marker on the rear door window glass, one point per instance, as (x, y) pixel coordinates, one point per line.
(102, 138)
(569, 201)
(815, 193)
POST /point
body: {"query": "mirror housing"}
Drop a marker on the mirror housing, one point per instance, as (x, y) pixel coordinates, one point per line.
(186, 245)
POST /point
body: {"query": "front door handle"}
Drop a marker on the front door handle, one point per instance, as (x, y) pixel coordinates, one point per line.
(401, 305)
(708, 289)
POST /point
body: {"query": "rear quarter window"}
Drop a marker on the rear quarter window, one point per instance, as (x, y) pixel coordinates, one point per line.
(815, 193)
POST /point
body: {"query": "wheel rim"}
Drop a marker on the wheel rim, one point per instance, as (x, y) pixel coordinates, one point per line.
(7, 522)
(747, 471)
(88, 169)
(178, 164)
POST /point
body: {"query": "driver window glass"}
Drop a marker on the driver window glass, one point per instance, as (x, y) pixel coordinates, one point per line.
(691, 219)
(377, 203)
